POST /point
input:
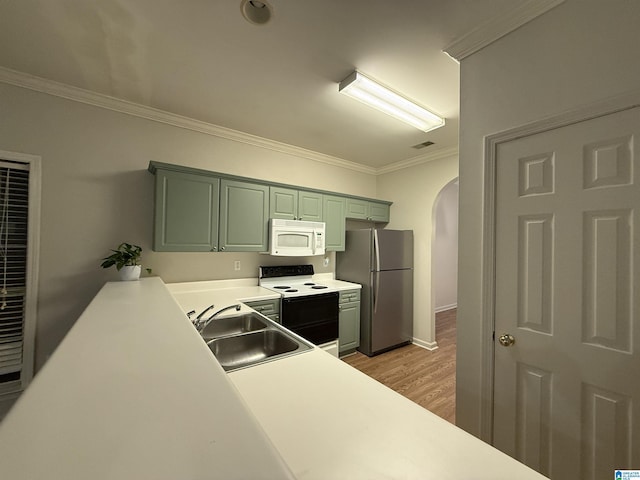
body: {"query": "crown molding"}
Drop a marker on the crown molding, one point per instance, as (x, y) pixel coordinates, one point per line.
(498, 27)
(57, 89)
(412, 162)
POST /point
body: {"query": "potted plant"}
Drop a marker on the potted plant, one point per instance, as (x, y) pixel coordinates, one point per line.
(126, 258)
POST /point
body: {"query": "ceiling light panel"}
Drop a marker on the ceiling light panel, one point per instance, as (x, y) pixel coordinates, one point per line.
(371, 93)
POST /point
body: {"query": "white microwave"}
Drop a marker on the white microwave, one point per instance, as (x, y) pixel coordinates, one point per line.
(296, 238)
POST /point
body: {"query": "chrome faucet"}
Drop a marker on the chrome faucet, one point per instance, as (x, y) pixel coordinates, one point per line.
(202, 324)
(198, 319)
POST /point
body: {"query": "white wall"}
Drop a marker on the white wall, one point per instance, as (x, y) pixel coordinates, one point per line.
(445, 248)
(578, 53)
(413, 192)
(97, 193)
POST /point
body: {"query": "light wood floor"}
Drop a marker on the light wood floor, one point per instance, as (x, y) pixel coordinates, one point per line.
(423, 376)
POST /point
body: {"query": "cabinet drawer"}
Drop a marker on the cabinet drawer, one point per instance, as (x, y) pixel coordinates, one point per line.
(348, 296)
(266, 307)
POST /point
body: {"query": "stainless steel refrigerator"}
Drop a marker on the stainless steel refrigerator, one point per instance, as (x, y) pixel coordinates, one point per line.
(382, 262)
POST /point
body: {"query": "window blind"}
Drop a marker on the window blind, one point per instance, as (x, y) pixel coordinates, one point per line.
(14, 210)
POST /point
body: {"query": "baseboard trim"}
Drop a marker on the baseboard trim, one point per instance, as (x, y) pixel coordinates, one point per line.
(425, 345)
(444, 308)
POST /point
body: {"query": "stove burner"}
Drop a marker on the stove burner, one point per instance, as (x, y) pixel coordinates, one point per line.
(291, 290)
(308, 284)
(319, 287)
(281, 287)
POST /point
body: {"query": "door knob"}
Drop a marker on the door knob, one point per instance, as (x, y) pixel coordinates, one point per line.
(506, 340)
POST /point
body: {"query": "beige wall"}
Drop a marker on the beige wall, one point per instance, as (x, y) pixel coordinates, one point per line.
(413, 192)
(578, 53)
(96, 193)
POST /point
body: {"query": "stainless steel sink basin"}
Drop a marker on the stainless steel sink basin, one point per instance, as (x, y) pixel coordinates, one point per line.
(247, 349)
(221, 327)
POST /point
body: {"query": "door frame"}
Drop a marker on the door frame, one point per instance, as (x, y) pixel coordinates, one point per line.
(11, 390)
(618, 103)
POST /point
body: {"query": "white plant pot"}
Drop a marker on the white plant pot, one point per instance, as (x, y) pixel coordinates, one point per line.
(130, 272)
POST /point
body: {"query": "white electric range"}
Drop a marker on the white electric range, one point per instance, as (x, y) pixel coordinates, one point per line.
(308, 307)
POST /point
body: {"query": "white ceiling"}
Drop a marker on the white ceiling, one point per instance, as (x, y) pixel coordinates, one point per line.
(203, 60)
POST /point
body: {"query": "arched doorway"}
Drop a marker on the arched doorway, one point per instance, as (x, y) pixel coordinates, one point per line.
(444, 248)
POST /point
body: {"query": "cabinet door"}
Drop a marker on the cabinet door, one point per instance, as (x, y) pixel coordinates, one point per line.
(378, 212)
(186, 212)
(333, 210)
(358, 209)
(349, 326)
(244, 215)
(366, 210)
(283, 203)
(310, 206)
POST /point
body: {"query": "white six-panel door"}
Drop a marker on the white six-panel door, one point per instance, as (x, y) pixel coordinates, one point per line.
(567, 257)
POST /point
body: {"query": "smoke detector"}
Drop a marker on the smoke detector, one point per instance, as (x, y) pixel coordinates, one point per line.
(256, 12)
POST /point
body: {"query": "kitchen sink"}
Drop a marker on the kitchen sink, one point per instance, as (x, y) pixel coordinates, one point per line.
(251, 348)
(222, 327)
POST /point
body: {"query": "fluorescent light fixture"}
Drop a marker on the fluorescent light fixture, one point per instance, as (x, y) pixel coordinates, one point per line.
(367, 91)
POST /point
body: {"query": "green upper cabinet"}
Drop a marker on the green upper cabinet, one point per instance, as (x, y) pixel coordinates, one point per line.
(367, 210)
(203, 211)
(358, 209)
(309, 206)
(379, 212)
(333, 208)
(283, 203)
(186, 212)
(244, 216)
(291, 204)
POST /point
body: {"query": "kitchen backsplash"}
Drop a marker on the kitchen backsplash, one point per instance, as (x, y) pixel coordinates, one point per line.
(190, 267)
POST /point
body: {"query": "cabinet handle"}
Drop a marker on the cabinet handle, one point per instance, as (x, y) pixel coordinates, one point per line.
(221, 248)
(213, 249)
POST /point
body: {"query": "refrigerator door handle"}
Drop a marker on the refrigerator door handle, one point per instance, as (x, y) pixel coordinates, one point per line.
(375, 283)
(376, 251)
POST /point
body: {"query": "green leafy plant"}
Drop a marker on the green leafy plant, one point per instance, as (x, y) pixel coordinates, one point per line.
(125, 255)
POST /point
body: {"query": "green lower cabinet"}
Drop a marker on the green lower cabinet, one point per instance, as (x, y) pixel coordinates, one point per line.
(334, 217)
(269, 308)
(349, 321)
(244, 216)
(186, 212)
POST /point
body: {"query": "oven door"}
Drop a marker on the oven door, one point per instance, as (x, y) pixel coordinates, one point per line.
(313, 317)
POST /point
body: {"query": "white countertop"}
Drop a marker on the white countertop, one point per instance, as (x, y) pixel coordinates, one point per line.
(221, 293)
(330, 421)
(133, 392)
